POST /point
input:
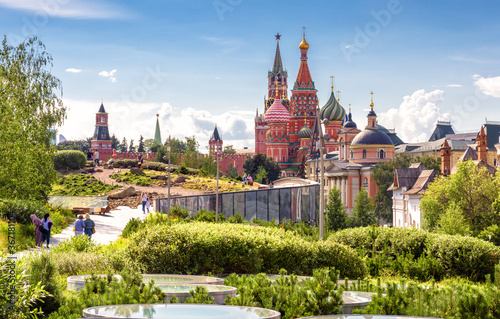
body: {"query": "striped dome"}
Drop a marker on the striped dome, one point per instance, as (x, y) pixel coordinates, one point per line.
(332, 110)
(305, 131)
(277, 113)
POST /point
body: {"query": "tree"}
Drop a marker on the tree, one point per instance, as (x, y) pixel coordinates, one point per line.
(131, 147)
(231, 171)
(207, 166)
(453, 222)
(261, 175)
(29, 111)
(228, 149)
(140, 148)
(123, 146)
(363, 211)
(471, 190)
(383, 174)
(114, 142)
(252, 165)
(77, 145)
(150, 145)
(336, 215)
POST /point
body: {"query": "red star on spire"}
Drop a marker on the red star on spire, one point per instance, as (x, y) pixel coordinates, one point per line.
(278, 36)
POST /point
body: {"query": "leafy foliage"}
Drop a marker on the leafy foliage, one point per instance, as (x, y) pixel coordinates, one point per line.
(196, 248)
(363, 211)
(77, 145)
(383, 174)
(336, 216)
(29, 109)
(81, 185)
(253, 164)
(69, 159)
(469, 195)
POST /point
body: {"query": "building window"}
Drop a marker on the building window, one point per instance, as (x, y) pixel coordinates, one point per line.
(352, 153)
(365, 182)
(381, 154)
(364, 153)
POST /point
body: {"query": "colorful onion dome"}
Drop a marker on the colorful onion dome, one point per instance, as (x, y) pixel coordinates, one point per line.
(304, 45)
(332, 110)
(277, 113)
(305, 131)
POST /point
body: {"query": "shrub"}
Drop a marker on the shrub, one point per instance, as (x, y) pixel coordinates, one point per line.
(81, 185)
(458, 255)
(69, 159)
(22, 209)
(200, 247)
(493, 231)
(155, 166)
(179, 212)
(188, 170)
(207, 216)
(124, 163)
(81, 243)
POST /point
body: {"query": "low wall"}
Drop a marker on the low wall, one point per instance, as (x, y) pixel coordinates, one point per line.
(284, 203)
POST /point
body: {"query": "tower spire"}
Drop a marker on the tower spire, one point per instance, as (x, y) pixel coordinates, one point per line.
(371, 104)
(157, 130)
(278, 64)
(332, 77)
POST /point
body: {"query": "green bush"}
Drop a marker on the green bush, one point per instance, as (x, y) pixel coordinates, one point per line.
(200, 247)
(156, 166)
(22, 209)
(81, 185)
(494, 232)
(458, 255)
(188, 170)
(179, 212)
(69, 159)
(81, 243)
(207, 216)
(125, 163)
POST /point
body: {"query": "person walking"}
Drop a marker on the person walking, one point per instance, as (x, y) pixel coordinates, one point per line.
(79, 225)
(89, 225)
(148, 204)
(47, 227)
(140, 159)
(144, 201)
(96, 157)
(89, 155)
(38, 233)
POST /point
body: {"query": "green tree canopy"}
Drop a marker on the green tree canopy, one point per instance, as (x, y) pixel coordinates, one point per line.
(228, 149)
(471, 192)
(252, 165)
(77, 145)
(383, 174)
(140, 148)
(30, 110)
(363, 211)
(336, 216)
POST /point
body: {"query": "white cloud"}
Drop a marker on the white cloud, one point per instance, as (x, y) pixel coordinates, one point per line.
(454, 85)
(488, 86)
(110, 75)
(75, 9)
(73, 70)
(130, 120)
(415, 118)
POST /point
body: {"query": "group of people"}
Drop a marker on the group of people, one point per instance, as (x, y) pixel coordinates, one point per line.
(86, 226)
(42, 229)
(93, 156)
(146, 203)
(247, 179)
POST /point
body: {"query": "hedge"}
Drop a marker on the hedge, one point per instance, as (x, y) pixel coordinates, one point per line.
(459, 256)
(69, 159)
(22, 209)
(200, 247)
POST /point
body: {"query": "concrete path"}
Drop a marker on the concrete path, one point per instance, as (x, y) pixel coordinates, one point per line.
(108, 227)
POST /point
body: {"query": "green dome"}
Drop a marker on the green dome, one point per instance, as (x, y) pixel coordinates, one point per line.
(332, 110)
(305, 132)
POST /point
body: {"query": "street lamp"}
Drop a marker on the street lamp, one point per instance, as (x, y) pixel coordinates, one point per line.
(321, 138)
(168, 183)
(217, 154)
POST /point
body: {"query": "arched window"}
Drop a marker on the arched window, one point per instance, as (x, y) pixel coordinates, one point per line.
(381, 154)
(365, 182)
(364, 153)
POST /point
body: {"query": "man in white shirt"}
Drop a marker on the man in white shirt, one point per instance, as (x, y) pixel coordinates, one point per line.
(96, 157)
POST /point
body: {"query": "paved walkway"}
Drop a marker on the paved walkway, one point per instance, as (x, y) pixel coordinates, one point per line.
(108, 227)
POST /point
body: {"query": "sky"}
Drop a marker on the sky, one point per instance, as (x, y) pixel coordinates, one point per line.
(201, 63)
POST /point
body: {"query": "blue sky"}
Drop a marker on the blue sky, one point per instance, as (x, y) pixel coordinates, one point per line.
(198, 63)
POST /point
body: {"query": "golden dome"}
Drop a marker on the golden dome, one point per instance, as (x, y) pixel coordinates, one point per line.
(304, 45)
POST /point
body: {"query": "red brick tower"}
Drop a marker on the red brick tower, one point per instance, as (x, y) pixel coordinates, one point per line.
(276, 80)
(304, 103)
(445, 159)
(482, 142)
(101, 140)
(215, 142)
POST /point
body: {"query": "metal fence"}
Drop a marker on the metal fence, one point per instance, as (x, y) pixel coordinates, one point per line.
(299, 203)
